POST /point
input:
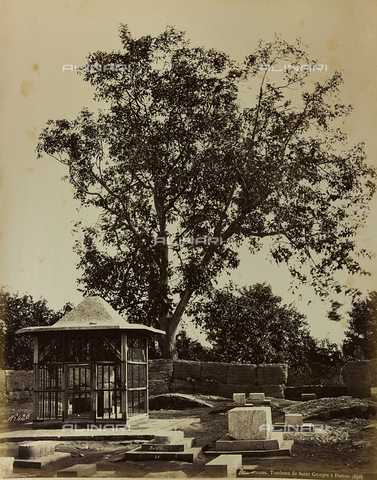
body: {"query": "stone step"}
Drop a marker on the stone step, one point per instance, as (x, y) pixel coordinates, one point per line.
(39, 462)
(166, 447)
(29, 450)
(284, 451)
(138, 455)
(79, 470)
(174, 436)
(223, 466)
(227, 444)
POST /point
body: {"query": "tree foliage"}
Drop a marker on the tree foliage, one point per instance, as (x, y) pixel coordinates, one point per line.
(174, 153)
(18, 312)
(361, 337)
(251, 325)
(189, 349)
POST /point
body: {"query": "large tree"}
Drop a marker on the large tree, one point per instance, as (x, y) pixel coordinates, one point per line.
(361, 337)
(175, 153)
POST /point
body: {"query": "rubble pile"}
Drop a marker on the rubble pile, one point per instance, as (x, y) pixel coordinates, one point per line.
(333, 407)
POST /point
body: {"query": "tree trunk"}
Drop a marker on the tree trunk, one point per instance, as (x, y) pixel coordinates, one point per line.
(171, 326)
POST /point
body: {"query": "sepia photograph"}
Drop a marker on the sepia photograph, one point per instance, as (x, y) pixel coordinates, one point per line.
(188, 217)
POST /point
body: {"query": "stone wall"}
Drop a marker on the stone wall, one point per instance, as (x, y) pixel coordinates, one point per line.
(16, 386)
(181, 376)
(360, 377)
(215, 378)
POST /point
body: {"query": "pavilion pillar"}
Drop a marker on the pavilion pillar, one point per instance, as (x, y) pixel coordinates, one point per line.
(36, 379)
(123, 373)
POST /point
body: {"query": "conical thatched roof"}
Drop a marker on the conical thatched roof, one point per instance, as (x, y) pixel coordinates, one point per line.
(93, 313)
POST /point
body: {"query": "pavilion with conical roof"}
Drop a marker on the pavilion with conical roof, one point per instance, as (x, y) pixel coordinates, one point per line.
(91, 366)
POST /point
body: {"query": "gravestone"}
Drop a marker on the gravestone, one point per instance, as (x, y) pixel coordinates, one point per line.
(239, 398)
(256, 397)
(246, 423)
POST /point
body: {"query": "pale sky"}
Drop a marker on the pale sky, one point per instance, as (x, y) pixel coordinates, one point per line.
(39, 37)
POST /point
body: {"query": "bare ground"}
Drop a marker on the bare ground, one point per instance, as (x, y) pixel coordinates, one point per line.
(347, 448)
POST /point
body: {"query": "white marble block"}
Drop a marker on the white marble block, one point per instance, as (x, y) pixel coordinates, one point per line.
(293, 419)
(175, 436)
(256, 397)
(250, 423)
(239, 398)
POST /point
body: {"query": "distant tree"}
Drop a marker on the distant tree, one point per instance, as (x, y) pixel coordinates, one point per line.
(18, 312)
(361, 336)
(323, 362)
(251, 325)
(189, 349)
(177, 153)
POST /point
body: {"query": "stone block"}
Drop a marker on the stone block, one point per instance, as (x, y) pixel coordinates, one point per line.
(239, 398)
(158, 387)
(6, 464)
(79, 470)
(242, 389)
(213, 371)
(272, 374)
(274, 443)
(184, 445)
(29, 450)
(206, 388)
(250, 423)
(243, 374)
(333, 391)
(255, 389)
(137, 455)
(256, 397)
(359, 391)
(169, 437)
(276, 391)
(181, 386)
(293, 419)
(160, 369)
(183, 369)
(225, 390)
(239, 445)
(308, 396)
(223, 466)
(18, 380)
(20, 397)
(40, 462)
(294, 393)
